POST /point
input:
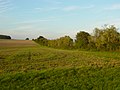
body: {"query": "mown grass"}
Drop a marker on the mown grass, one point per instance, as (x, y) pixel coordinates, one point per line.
(41, 68)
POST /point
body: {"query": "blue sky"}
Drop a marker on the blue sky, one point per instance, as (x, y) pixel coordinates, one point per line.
(56, 18)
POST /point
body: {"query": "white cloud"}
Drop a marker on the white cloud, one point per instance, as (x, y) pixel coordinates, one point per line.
(31, 22)
(73, 8)
(47, 9)
(53, 2)
(5, 5)
(113, 7)
(24, 27)
(113, 21)
(38, 8)
(88, 7)
(67, 8)
(35, 21)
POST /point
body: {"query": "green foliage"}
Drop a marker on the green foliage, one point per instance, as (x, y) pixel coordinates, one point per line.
(82, 40)
(5, 37)
(62, 43)
(42, 41)
(103, 39)
(106, 38)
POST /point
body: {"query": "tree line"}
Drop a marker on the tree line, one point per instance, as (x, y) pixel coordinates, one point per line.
(5, 37)
(106, 38)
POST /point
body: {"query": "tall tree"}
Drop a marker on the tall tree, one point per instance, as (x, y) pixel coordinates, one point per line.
(66, 42)
(106, 38)
(42, 41)
(82, 40)
(63, 42)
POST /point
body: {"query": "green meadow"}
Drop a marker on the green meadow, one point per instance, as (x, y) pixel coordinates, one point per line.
(33, 67)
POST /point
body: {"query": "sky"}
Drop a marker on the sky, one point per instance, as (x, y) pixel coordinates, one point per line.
(55, 18)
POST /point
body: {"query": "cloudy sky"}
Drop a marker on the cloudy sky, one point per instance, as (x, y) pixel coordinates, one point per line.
(56, 18)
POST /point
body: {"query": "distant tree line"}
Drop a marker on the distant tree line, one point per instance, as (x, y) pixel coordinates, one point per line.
(102, 39)
(5, 37)
(27, 39)
(62, 42)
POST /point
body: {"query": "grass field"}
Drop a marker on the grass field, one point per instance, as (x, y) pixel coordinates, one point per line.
(40, 68)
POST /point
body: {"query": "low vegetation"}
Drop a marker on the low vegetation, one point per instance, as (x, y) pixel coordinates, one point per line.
(42, 68)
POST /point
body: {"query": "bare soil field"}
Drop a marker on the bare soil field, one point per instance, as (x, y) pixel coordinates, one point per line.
(16, 43)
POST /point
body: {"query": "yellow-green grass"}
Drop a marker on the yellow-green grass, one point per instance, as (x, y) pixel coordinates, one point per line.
(42, 68)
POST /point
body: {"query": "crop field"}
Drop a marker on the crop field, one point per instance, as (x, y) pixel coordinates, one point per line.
(16, 43)
(28, 66)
